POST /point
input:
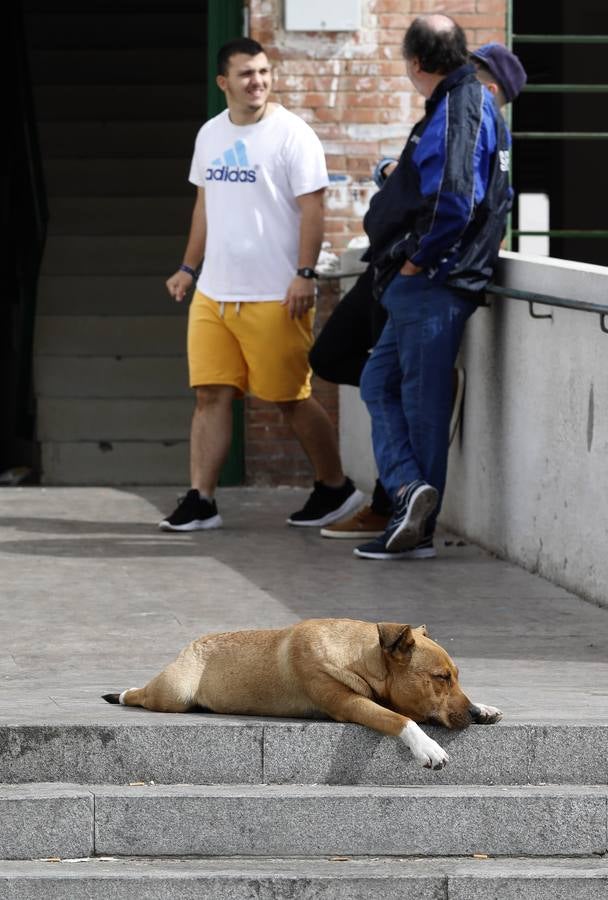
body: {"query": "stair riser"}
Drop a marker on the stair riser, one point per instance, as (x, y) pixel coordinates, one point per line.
(120, 216)
(57, 823)
(107, 377)
(68, 421)
(58, 336)
(156, 821)
(315, 753)
(132, 103)
(119, 178)
(115, 295)
(120, 255)
(274, 887)
(116, 463)
(115, 29)
(160, 65)
(105, 140)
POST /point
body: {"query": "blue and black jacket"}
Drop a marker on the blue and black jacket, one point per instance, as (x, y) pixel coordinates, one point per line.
(445, 205)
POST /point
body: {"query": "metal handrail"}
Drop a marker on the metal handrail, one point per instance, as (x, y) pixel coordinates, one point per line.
(559, 38)
(530, 297)
(561, 135)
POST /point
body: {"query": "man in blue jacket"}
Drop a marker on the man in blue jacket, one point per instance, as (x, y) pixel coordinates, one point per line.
(434, 240)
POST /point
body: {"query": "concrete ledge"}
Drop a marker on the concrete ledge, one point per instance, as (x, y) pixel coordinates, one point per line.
(231, 750)
(45, 820)
(115, 755)
(318, 820)
(300, 879)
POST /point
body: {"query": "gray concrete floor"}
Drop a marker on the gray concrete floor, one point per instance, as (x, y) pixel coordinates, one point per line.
(94, 598)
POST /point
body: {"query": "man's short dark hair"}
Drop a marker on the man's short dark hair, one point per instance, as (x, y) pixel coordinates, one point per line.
(238, 45)
(437, 51)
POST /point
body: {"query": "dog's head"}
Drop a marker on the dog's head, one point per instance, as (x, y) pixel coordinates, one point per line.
(422, 680)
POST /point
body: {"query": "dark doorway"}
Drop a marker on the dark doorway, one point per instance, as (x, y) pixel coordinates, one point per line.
(571, 171)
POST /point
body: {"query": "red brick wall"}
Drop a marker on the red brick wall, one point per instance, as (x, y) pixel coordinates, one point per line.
(351, 88)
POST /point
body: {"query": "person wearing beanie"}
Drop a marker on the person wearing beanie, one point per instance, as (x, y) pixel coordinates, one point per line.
(498, 66)
(344, 343)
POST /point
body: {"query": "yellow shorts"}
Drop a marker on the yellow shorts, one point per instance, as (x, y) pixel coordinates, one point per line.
(254, 346)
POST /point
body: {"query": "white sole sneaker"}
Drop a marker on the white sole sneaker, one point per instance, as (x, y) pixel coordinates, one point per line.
(409, 531)
(350, 505)
(415, 553)
(194, 525)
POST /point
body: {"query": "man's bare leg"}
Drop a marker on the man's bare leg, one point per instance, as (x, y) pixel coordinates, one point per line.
(210, 436)
(315, 432)
(336, 496)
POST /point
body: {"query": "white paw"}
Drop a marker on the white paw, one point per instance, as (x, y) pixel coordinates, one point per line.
(424, 749)
(121, 698)
(488, 714)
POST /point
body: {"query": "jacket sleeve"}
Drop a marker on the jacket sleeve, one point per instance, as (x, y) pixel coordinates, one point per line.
(453, 162)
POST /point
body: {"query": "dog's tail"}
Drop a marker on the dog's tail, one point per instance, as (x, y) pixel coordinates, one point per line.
(130, 697)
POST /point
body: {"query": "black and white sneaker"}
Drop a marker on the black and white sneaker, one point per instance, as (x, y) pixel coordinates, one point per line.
(193, 513)
(406, 528)
(376, 549)
(327, 504)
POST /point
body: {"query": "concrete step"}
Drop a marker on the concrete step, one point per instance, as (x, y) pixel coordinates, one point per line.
(131, 336)
(295, 820)
(127, 102)
(90, 377)
(118, 178)
(129, 65)
(120, 215)
(115, 463)
(136, 746)
(122, 419)
(112, 255)
(136, 140)
(65, 28)
(384, 878)
(112, 295)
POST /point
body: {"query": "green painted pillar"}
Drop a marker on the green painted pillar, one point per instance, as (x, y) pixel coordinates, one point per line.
(224, 22)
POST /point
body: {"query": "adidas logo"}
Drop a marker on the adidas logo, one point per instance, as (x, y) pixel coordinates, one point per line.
(232, 167)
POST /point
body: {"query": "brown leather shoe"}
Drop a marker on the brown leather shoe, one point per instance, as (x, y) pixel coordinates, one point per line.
(364, 523)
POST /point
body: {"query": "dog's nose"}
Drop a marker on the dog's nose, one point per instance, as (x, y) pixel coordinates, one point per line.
(475, 713)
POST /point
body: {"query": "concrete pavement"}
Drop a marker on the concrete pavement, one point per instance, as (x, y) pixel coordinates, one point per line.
(94, 598)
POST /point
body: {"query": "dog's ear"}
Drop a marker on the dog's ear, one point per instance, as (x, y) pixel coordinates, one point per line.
(395, 639)
(423, 630)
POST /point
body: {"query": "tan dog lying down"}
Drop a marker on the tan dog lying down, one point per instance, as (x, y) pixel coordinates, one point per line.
(385, 676)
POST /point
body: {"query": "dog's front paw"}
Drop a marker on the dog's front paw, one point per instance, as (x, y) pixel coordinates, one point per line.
(487, 715)
(424, 749)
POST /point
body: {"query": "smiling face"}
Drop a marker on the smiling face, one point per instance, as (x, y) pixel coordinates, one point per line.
(246, 84)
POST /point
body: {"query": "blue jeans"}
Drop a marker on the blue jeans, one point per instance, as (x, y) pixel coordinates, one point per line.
(407, 382)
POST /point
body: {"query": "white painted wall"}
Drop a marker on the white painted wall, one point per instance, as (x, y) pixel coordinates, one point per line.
(528, 473)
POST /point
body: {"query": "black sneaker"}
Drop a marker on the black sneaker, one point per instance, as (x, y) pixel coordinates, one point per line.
(327, 504)
(376, 549)
(192, 514)
(406, 529)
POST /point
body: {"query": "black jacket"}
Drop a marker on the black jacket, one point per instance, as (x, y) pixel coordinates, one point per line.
(445, 206)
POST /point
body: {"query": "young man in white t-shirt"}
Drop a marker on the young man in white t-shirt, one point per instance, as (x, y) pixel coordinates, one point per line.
(257, 227)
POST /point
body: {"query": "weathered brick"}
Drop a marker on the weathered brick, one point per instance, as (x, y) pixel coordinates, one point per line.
(353, 91)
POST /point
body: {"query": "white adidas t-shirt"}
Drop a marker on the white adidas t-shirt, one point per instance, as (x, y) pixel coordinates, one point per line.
(252, 175)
